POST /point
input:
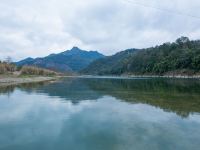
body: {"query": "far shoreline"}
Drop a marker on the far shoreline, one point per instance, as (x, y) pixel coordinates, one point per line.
(17, 80)
(168, 76)
(138, 76)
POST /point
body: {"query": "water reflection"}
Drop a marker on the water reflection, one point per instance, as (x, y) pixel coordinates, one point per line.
(179, 96)
(96, 114)
(176, 95)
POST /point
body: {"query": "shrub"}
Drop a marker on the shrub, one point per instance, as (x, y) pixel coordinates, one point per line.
(30, 70)
(7, 68)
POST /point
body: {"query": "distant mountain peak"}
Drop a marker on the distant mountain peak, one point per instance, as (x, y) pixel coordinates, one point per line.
(75, 48)
(29, 58)
(69, 60)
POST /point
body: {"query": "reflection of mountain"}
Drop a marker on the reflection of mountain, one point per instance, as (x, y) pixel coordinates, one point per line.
(70, 89)
(179, 96)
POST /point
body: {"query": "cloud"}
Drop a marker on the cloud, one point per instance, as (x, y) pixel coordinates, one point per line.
(37, 28)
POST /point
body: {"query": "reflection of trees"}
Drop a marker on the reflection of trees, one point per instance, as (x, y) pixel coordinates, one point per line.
(28, 87)
(179, 96)
(74, 90)
(7, 90)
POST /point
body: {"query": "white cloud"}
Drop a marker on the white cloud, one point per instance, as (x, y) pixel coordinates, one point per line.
(38, 28)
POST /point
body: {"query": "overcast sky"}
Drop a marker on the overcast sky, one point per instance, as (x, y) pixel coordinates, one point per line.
(40, 27)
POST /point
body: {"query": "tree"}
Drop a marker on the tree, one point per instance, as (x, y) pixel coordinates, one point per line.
(182, 40)
(8, 60)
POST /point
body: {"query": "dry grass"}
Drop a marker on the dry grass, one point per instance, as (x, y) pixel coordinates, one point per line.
(30, 70)
(7, 68)
(12, 69)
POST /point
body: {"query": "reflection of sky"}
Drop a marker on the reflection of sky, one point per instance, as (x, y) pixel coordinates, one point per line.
(28, 121)
(21, 105)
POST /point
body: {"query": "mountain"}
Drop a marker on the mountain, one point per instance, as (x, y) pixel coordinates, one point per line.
(67, 61)
(180, 57)
(111, 64)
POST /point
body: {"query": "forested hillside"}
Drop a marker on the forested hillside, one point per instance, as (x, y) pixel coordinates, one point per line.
(110, 64)
(179, 57)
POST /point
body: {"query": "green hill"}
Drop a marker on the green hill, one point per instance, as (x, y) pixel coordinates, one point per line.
(179, 57)
(110, 64)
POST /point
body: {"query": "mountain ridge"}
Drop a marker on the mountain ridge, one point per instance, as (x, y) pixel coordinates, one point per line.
(68, 61)
(181, 57)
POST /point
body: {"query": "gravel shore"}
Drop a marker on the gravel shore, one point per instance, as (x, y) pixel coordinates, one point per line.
(5, 81)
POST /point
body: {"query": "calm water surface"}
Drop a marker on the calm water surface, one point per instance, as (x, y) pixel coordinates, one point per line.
(101, 114)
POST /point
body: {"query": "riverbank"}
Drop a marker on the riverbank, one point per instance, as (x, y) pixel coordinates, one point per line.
(140, 76)
(15, 80)
(182, 74)
(166, 76)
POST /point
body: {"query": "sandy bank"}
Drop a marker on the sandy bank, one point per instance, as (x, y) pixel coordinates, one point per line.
(5, 81)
